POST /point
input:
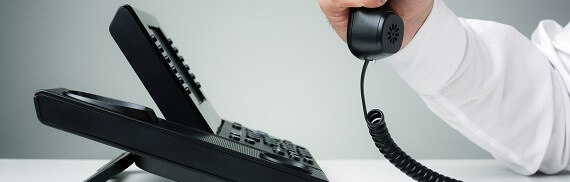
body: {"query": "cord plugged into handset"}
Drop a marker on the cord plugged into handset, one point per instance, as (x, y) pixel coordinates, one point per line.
(375, 34)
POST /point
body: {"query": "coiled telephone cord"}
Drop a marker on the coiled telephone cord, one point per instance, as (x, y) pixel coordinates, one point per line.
(390, 150)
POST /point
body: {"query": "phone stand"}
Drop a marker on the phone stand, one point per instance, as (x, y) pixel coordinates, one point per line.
(113, 168)
(158, 167)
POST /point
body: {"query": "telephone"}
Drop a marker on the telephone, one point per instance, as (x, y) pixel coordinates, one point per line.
(375, 33)
(192, 143)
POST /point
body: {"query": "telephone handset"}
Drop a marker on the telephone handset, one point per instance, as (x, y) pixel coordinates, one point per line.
(376, 33)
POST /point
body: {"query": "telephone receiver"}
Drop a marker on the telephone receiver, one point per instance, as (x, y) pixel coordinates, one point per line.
(376, 33)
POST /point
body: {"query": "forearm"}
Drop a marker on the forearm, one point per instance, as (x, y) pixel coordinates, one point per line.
(489, 82)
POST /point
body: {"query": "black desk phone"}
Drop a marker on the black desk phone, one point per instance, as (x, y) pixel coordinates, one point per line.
(183, 146)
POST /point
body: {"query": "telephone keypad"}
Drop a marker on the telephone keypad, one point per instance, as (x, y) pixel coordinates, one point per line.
(284, 148)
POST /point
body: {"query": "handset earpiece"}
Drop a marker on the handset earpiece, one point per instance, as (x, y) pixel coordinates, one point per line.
(374, 33)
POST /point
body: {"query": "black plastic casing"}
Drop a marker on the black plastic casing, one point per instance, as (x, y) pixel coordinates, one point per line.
(374, 33)
(163, 147)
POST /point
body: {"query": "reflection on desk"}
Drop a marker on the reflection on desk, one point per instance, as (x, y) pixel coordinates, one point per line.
(336, 171)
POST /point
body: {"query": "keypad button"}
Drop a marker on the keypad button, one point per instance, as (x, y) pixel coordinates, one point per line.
(194, 77)
(249, 140)
(170, 41)
(236, 126)
(181, 58)
(180, 79)
(308, 160)
(234, 137)
(167, 59)
(174, 69)
(175, 50)
(186, 67)
(295, 157)
(198, 85)
(153, 37)
(278, 151)
(160, 48)
(187, 90)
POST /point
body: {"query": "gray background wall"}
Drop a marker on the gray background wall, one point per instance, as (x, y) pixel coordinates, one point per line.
(273, 65)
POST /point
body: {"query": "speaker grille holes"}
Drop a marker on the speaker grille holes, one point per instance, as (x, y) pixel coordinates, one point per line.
(393, 33)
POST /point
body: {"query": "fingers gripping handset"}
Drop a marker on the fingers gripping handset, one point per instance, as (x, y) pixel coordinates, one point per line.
(376, 33)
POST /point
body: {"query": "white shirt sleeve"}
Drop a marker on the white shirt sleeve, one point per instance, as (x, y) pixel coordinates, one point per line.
(504, 92)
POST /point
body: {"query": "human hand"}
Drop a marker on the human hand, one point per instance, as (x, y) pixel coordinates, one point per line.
(413, 12)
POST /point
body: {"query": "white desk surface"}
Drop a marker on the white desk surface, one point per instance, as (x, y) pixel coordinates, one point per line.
(336, 170)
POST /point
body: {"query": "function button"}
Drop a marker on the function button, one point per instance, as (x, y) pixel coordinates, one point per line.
(160, 48)
(308, 160)
(187, 90)
(257, 139)
(236, 126)
(234, 137)
(252, 135)
(235, 133)
(153, 37)
(174, 69)
(295, 157)
(249, 140)
(261, 133)
(268, 140)
(180, 79)
(169, 41)
(278, 151)
(186, 67)
(288, 146)
(181, 58)
(287, 142)
(175, 50)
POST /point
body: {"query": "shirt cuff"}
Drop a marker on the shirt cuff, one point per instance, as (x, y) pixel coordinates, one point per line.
(434, 54)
